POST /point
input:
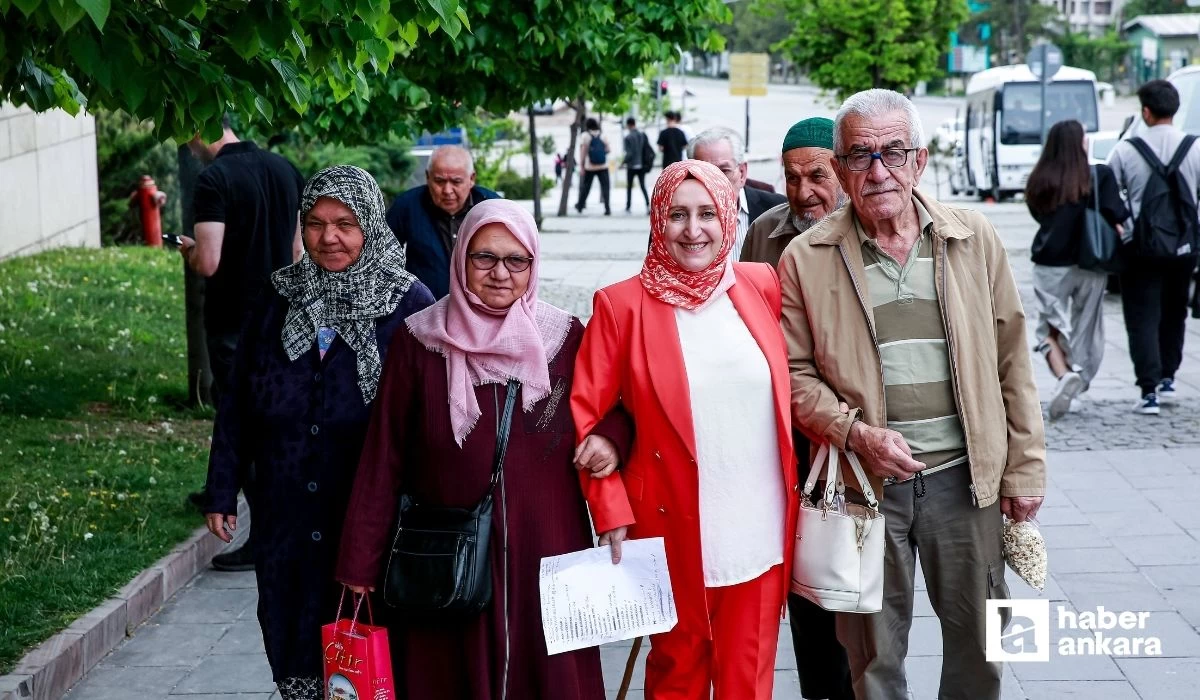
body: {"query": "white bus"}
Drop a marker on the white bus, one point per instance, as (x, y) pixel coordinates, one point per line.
(1002, 132)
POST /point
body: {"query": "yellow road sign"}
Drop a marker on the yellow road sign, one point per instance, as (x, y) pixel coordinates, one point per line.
(748, 74)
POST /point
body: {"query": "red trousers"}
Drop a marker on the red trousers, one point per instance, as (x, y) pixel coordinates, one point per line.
(738, 663)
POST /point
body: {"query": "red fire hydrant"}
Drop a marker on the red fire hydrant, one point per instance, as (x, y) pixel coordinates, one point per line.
(149, 202)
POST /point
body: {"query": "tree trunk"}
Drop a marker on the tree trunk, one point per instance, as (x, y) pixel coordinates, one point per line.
(580, 108)
(199, 375)
(537, 173)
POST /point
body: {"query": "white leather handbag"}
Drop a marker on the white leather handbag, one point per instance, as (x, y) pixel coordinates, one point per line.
(838, 562)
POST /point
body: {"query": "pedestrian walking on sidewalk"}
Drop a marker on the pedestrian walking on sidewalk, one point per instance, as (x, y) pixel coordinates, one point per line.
(307, 373)
(1159, 171)
(639, 157)
(692, 347)
(246, 206)
(434, 439)
(593, 154)
(1062, 189)
(672, 140)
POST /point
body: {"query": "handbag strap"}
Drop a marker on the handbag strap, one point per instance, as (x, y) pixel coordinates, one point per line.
(502, 432)
(1095, 190)
(833, 477)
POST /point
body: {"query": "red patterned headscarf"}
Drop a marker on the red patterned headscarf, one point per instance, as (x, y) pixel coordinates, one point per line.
(664, 278)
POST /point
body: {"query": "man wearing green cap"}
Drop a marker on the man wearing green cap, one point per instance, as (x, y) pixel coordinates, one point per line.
(813, 191)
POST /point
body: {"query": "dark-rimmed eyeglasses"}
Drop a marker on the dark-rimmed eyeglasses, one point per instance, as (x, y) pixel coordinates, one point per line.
(890, 157)
(486, 261)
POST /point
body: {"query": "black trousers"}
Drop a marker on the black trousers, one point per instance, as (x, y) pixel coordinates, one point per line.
(1154, 299)
(640, 174)
(820, 657)
(586, 188)
(221, 350)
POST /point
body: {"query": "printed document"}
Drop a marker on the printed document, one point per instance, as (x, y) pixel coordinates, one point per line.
(587, 601)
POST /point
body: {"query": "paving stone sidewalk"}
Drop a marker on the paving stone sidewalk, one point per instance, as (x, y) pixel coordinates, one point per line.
(1121, 527)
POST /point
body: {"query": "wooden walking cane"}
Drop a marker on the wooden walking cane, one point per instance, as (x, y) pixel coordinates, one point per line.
(629, 666)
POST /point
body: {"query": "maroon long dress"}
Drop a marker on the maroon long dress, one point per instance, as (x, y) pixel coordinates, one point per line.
(410, 447)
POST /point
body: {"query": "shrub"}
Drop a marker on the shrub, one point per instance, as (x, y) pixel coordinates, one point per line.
(516, 186)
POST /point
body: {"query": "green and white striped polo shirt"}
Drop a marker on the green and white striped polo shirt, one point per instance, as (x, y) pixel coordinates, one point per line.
(912, 345)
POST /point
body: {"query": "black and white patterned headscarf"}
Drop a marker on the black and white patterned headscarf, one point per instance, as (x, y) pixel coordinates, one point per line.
(348, 301)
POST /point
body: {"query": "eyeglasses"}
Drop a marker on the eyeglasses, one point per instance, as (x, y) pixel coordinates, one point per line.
(890, 157)
(486, 261)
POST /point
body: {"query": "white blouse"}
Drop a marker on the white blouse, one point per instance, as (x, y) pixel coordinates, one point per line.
(742, 500)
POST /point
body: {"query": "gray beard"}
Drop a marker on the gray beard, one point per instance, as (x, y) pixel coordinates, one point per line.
(804, 223)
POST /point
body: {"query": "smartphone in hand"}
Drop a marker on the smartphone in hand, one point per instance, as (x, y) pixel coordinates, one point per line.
(172, 239)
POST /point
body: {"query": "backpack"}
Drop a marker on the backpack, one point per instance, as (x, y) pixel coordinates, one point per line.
(647, 153)
(597, 153)
(1166, 226)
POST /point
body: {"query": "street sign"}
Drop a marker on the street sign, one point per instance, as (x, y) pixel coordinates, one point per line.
(1044, 60)
(748, 74)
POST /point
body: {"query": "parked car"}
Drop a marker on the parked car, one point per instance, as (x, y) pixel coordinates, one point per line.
(543, 107)
(1100, 144)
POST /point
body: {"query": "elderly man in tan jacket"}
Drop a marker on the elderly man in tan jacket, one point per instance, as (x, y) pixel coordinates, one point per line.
(905, 312)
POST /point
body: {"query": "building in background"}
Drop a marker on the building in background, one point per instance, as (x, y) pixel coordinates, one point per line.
(1162, 44)
(1094, 17)
(48, 181)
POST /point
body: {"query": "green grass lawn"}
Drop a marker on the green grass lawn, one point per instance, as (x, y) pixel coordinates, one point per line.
(97, 450)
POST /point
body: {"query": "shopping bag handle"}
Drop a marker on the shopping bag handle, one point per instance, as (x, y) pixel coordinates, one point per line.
(358, 598)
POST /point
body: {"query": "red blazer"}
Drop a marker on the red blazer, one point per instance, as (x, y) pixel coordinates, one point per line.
(631, 354)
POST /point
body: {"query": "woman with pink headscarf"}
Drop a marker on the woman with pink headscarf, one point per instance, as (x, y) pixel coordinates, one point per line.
(692, 348)
(433, 437)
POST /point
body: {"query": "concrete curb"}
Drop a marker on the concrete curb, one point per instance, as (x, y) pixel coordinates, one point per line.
(52, 668)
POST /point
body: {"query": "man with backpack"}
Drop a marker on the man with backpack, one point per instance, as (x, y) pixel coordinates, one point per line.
(639, 158)
(1159, 172)
(593, 154)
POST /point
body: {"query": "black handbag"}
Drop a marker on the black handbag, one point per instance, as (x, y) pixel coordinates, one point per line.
(439, 563)
(1099, 240)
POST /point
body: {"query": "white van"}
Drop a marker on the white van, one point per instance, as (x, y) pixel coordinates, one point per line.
(1002, 132)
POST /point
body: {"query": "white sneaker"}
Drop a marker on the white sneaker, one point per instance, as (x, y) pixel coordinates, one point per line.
(1076, 405)
(1166, 391)
(1147, 405)
(1068, 387)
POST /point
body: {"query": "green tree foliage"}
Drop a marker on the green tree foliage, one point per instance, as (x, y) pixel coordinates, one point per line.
(852, 45)
(182, 63)
(1135, 8)
(757, 25)
(388, 159)
(1100, 54)
(1014, 27)
(519, 53)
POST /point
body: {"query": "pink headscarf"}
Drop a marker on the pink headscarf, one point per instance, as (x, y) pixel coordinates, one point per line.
(483, 345)
(663, 277)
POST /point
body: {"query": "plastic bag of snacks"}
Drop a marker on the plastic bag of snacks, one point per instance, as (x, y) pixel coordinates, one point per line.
(1025, 552)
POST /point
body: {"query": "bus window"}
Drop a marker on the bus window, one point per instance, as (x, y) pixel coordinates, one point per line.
(1021, 118)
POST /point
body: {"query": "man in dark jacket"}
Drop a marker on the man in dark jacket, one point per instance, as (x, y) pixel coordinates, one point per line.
(725, 149)
(425, 219)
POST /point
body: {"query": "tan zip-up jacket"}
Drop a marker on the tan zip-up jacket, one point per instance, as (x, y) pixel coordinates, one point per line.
(832, 352)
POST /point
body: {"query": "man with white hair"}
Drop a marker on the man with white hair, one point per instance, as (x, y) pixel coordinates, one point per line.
(725, 149)
(426, 219)
(906, 341)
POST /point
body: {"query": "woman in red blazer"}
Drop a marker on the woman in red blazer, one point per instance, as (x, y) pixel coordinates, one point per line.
(692, 348)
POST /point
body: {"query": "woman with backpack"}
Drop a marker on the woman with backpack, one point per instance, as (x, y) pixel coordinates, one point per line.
(593, 155)
(1060, 191)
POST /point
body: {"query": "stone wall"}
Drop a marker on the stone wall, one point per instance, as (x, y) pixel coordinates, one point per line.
(48, 181)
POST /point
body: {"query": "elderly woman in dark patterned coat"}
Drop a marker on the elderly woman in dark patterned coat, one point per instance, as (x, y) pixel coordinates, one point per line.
(433, 437)
(306, 373)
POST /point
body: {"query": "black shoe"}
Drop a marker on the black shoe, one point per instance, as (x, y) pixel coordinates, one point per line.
(240, 559)
(608, 212)
(578, 209)
(198, 500)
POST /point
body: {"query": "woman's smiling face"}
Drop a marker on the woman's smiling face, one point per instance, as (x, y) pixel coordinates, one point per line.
(693, 233)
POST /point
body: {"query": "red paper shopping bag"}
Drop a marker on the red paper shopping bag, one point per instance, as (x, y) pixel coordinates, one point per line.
(358, 659)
